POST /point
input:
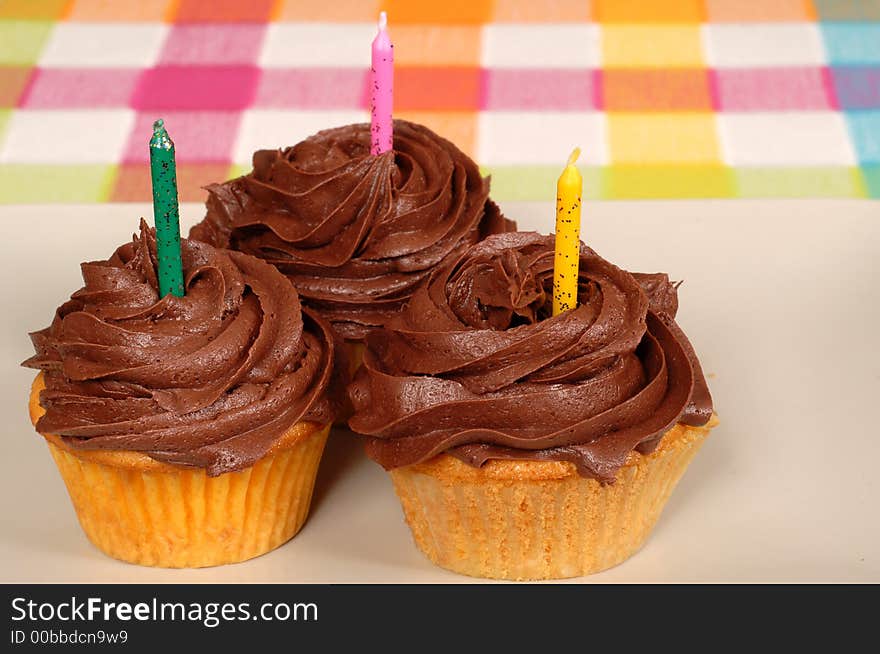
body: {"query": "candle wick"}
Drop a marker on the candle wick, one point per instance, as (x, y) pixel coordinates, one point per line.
(573, 156)
(383, 21)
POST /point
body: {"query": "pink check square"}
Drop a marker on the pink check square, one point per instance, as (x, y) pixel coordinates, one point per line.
(199, 136)
(213, 44)
(310, 88)
(71, 88)
(197, 87)
(507, 89)
(772, 89)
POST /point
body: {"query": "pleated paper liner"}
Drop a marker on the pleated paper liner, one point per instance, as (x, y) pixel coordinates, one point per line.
(524, 520)
(142, 511)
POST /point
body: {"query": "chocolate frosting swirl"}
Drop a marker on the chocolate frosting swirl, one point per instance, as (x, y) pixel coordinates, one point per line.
(476, 367)
(211, 379)
(355, 233)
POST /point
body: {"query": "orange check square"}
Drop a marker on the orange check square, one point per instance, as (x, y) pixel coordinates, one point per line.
(455, 12)
(32, 9)
(683, 89)
(433, 45)
(437, 89)
(649, 11)
(321, 10)
(13, 80)
(133, 184)
(113, 10)
(548, 11)
(734, 11)
(223, 11)
(460, 127)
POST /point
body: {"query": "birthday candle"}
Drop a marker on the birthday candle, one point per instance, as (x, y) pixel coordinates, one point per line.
(382, 91)
(166, 213)
(568, 236)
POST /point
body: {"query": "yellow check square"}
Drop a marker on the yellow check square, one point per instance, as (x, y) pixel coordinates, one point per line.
(663, 138)
(651, 46)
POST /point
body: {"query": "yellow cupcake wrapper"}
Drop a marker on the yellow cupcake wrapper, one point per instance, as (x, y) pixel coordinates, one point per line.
(142, 511)
(539, 520)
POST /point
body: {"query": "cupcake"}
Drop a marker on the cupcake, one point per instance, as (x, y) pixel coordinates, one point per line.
(524, 445)
(188, 430)
(355, 233)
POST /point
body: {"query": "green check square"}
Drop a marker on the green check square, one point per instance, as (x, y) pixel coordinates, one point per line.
(871, 174)
(535, 183)
(237, 170)
(22, 41)
(4, 118)
(803, 182)
(30, 183)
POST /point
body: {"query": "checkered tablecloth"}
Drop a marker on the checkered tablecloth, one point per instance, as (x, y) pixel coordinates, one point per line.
(667, 98)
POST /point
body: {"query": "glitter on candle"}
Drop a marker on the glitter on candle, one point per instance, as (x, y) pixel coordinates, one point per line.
(568, 227)
(382, 91)
(166, 211)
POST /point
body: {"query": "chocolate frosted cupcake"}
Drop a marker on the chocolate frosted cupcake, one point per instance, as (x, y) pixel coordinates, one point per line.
(355, 233)
(188, 429)
(524, 445)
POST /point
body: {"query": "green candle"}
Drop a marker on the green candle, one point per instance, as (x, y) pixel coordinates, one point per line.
(166, 212)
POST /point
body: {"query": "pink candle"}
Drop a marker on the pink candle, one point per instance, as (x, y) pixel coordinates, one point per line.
(382, 90)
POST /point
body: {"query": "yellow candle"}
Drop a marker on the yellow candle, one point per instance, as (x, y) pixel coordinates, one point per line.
(568, 236)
